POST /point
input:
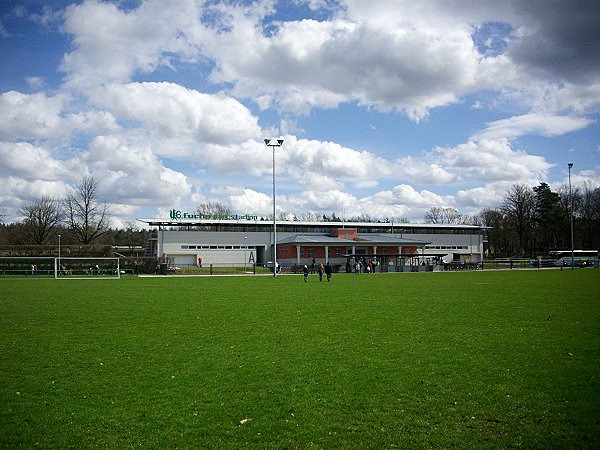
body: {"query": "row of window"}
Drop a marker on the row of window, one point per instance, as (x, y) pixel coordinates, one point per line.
(446, 247)
(310, 253)
(325, 229)
(216, 247)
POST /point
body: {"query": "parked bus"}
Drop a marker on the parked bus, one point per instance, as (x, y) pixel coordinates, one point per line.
(581, 258)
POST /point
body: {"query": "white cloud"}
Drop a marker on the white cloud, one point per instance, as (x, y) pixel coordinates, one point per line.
(30, 162)
(170, 110)
(420, 170)
(250, 202)
(134, 175)
(38, 116)
(488, 196)
(111, 44)
(532, 124)
(35, 82)
(309, 64)
(28, 171)
(304, 158)
(578, 99)
(403, 201)
(30, 116)
(311, 164)
(492, 160)
(319, 202)
(250, 157)
(14, 191)
(392, 55)
(406, 195)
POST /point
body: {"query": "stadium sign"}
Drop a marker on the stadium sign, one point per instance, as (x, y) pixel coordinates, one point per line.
(175, 214)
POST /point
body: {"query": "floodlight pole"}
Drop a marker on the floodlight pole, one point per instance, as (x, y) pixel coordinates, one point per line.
(572, 235)
(58, 269)
(274, 143)
(245, 252)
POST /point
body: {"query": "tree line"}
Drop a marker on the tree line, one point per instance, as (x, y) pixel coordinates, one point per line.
(528, 222)
(532, 221)
(79, 218)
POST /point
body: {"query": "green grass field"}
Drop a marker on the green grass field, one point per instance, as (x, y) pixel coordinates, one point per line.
(426, 360)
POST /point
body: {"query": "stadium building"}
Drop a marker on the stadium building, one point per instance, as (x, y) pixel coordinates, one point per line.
(189, 239)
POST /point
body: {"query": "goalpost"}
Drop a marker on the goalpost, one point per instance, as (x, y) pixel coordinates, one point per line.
(87, 268)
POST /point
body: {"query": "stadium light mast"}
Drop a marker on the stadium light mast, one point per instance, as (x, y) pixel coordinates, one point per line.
(571, 203)
(274, 143)
(58, 255)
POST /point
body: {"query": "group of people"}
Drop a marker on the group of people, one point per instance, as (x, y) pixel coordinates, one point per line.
(327, 270)
(368, 266)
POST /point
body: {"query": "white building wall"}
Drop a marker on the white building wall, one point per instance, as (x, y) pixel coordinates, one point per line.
(234, 247)
(463, 244)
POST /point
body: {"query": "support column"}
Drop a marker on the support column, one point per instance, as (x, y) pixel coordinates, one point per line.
(400, 260)
(298, 254)
(159, 243)
(326, 254)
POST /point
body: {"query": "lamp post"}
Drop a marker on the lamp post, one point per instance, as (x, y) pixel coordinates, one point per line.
(571, 203)
(245, 252)
(274, 143)
(58, 269)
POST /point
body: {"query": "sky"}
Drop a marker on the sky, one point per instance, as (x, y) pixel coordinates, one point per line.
(387, 108)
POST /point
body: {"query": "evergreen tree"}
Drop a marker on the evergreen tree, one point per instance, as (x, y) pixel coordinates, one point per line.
(549, 219)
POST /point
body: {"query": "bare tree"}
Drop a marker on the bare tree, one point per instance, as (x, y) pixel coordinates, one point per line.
(518, 205)
(283, 215)
(361, 218)
(41, 216)
(437, 214)
(498, 232)
(309, 217)
(87, 218)
(2, 214)
(589, 215)
(215, 210)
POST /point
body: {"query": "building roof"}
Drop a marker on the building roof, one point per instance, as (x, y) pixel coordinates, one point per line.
(391, 239)
(319, 239)
(242, 221)
(362, 239)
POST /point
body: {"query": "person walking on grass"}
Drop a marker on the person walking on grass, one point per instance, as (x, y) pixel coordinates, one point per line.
(321, 270)
(328, 271)
(305, 272)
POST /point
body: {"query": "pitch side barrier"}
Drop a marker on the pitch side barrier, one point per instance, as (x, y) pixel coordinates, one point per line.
(539, 263)
(30, 267)
(26, 267)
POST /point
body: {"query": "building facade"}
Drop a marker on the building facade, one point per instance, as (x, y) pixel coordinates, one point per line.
(221, 242)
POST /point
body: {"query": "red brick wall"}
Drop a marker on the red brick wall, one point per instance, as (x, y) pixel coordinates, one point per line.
(345, 233)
